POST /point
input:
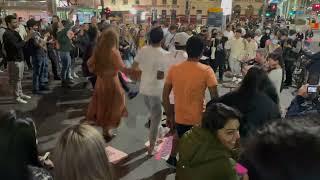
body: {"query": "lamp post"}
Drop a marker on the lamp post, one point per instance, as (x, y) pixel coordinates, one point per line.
(187, 10)
(264, 9)
(102, 6)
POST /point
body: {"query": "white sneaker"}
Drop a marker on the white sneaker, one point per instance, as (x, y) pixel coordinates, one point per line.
(21, 101)
(23, 96)
(75, 75)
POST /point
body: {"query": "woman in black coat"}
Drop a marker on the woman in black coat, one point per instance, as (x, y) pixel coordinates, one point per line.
(256, 99)
(18, 149)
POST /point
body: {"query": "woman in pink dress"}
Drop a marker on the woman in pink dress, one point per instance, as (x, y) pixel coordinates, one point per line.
(107, 105)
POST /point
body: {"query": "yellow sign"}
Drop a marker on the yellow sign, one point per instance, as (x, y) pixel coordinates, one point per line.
(215, 10)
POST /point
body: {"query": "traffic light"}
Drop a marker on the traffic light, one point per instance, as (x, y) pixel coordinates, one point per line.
(272, 10)
(291, 13)
(315, 7)
(273, 7)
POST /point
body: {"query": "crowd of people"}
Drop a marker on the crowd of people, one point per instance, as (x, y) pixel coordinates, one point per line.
(239, 135)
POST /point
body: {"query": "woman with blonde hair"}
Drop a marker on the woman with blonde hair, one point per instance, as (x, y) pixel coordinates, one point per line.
(107, 105)
(80, 155)
(126, 45)
(141, 40)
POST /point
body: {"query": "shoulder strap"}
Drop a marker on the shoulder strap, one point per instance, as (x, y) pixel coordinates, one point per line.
(172, 38)
(175, 56)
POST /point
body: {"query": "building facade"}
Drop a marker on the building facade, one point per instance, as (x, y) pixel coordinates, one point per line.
(194, 11)
(247, 7)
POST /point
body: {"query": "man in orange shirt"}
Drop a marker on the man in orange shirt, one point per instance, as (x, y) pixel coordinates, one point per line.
(189, 81)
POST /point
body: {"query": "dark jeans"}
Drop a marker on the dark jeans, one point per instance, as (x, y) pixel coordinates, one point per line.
(66, 63)
(182, 129)
(27, 57)
(39, 72)
(289, 66)
(313, 78)
(221, 65)
(53, 56)
(46, 70)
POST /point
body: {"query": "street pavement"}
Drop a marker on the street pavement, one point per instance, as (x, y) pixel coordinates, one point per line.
(60, 108)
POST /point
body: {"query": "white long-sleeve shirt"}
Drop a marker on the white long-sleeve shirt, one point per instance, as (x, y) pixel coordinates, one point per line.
(237, 48)
(228, 34)
(169, 42)
(22, 31)
(251, 49)
(276, 78)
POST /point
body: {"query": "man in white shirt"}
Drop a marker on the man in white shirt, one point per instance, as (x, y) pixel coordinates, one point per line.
(169, 39)
(228, 32)
(237, 52)
(152, 61)
(165, 29)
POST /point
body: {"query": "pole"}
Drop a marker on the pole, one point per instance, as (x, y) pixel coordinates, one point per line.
(102, 6)
(264, 9)
(187, 10)
(52, 7)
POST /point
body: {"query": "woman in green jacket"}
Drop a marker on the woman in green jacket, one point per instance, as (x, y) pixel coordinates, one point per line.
(205, 153)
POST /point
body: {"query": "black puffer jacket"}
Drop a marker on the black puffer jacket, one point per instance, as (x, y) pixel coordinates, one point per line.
(257, 110)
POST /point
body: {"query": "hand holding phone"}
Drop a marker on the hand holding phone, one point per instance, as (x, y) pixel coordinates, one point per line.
(303, 91)
(312, 89)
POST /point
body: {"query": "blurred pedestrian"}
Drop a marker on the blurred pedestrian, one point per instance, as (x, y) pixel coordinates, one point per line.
(106, 63)
(13, 45)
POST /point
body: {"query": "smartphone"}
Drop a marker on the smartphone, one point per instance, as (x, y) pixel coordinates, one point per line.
(312, 89)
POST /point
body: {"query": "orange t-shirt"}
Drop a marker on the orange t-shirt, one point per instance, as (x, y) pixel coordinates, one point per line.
(190, 80)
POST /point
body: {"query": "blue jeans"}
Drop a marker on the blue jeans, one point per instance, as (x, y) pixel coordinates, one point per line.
(66, 63)
(46, 70)
(39, 72)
